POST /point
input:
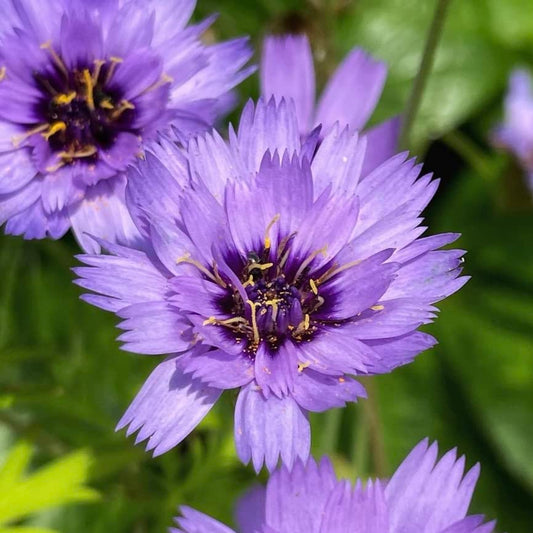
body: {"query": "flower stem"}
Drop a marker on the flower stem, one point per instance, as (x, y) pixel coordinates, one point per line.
(419, 84)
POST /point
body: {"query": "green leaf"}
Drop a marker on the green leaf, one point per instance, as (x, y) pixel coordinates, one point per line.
(23, 529)
(55, 484)
(469, 68)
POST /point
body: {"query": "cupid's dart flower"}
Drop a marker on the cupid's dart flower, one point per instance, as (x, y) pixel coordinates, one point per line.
(423, 496)
(84, 84)
(274, 270)
(516, 132)
(349, 97)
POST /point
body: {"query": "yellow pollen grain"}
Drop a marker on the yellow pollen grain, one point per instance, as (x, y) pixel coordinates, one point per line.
(54, 128)
(313, 286)
(341, 380)
(377, 307)
(3, 71)
(65, 99)
(210, 320)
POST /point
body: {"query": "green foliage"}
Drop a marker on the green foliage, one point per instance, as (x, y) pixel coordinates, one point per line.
(58, 483)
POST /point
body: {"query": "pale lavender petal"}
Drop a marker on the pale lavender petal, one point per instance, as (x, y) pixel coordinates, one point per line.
(16, 170)
(154, 328)
(270, 126)
(352, 92)
(250, 510)
(296, 498)
(429, 494)
(316, 392)
(168, 407)
(287, 71)
(220, 369)
(103, 213)
(269, 429)
(192, 521)
(382, 144)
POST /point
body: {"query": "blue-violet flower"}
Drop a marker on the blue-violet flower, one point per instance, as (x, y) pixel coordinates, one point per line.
(84, 84)
(423, 496)
(275, 270)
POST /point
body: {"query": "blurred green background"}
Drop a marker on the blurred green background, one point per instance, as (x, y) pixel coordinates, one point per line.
(64, 383)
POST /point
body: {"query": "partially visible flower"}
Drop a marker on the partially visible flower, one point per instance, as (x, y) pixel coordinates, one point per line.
(349, 97)
(516, 132)
(84, 84)
(275, 270)
(423, 496)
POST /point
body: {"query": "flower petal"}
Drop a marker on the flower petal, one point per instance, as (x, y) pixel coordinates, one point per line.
(352, 92)
(168, 407)
(266, 429)
(287, 71)
(193, 521)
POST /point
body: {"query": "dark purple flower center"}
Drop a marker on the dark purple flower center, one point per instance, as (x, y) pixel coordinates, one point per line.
(82, 110)
(278, 301)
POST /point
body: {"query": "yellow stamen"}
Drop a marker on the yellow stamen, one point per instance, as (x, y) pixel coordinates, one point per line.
(58, 61)
(65, 99)
(302, 366)
(255, 329)
(87, 79)
(54, 128)
(308, 261)
(268, 242)
(216, 273)
(98, 64)
(377, 307)
(260, 266)
(88, 151)
(106, 104)
(225, 322)
(313, 286)
(248, 282)
(114, 62)
(186, 258)
(336, 270)
(3, 71)
(306, 321)
(17, 139)
(274, 304)
(165, 78)
(123, 106)
(55, 167)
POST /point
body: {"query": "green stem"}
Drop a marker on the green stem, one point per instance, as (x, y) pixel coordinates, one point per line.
(470, 153)
(419, 84)
(330, 434)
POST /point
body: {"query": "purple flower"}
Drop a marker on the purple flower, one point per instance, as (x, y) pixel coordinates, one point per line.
(516, 132)
(349, 97)
(275, 270)
(84, 84)
(423, 496)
